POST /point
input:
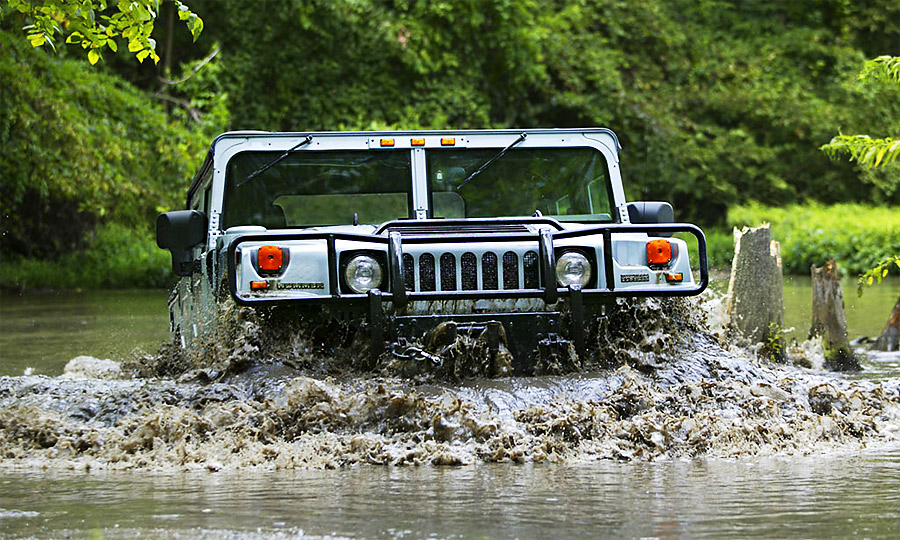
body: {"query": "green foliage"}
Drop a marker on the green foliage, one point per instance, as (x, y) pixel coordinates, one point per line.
(98, 24)
(80, 148)
(116, 256)
(773, 347)
(858, 236)
(883, 67)
(879, 272)
(867, 151)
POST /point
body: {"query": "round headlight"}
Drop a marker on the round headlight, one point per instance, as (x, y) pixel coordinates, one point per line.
(573, 268)
(362, 274)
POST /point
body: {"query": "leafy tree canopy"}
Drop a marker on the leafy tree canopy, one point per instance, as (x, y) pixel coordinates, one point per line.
(98, 24)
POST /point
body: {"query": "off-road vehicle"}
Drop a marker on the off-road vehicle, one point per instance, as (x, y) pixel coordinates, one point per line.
(518, 238)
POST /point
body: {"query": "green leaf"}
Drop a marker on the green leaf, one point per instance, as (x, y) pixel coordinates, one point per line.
(880, 156)
(93, 56)
(142, 55)
(112, 45)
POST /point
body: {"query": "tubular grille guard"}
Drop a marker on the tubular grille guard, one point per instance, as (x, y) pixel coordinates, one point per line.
(606, 231)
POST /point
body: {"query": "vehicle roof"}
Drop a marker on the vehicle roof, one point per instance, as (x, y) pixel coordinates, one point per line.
(207, 163)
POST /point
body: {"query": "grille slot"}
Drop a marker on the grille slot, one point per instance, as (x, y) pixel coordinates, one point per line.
(468, 264)
(409, 272)
(448, 272)
(489, 274)
(510, 270)
(530, 266)
(426, 272)
(487, 271)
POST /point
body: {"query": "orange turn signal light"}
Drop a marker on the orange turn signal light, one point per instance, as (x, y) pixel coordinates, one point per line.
(448, 141)
(270, 258)
(257, 285)
(387, 142)
(417, 142)
(675, 278)
(659, 252)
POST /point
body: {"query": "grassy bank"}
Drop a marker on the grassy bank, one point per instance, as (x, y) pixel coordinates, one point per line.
(858, 236)
(116, 257)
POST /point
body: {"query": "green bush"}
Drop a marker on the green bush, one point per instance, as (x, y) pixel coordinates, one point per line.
(116, 257)
(80, 148)
(857, 236)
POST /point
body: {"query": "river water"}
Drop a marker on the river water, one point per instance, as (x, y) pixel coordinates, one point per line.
(643, 484)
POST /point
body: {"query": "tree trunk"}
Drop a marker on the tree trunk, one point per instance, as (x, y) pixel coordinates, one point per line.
(889, 339)
(755, 303)
(828, 319)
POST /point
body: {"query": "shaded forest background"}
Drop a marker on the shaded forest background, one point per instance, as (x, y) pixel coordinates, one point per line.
(718, 104)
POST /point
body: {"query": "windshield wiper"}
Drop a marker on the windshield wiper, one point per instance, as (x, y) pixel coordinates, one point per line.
(488, 163)
(274, 162)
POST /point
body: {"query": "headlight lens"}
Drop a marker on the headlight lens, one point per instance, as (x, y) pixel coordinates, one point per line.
(362, 274)
(573, 268)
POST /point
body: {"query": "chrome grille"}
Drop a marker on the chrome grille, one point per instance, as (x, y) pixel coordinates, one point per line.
(471, 271)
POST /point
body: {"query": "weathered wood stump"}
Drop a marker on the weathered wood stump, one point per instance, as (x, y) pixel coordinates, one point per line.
(828, 319)
(755, 304)
(889, 339)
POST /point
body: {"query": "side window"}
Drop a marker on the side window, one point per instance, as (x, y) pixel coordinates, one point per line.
(201, 201)
(206, 199)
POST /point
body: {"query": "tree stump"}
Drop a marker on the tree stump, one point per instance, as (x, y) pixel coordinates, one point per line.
(889, 339)
(755, 304)
(828, 319)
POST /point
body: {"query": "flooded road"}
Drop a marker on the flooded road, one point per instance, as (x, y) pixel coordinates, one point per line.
(693, 439)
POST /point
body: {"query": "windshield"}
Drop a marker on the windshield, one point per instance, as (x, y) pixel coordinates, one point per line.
(569, 184)
(317, 188)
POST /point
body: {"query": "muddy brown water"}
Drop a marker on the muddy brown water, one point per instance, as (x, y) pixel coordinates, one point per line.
(697, 440)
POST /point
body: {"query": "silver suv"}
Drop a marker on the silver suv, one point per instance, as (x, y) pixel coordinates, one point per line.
(519, 236)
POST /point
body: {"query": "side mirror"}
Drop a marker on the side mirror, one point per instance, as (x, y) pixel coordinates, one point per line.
(651, 212)
(179, 232)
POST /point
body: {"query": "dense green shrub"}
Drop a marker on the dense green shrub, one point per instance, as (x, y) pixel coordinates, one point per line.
(80, 148)
(116, 256)
(858, 236)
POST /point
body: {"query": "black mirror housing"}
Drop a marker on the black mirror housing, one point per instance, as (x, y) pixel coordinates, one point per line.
(179, 232)
(651, 212)
(644, 212)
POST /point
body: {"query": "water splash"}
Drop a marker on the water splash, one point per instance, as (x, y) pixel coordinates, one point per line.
(657, 385)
